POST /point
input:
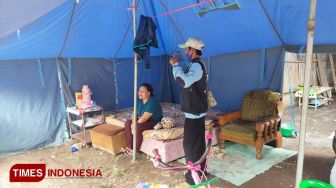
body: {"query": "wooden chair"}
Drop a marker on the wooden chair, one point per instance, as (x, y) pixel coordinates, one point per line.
(256, 124)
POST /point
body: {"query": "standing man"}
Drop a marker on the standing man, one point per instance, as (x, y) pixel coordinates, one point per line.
(333, 170)
(193, 101)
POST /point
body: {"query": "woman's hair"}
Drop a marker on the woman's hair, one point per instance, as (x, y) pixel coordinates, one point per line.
(148, 87)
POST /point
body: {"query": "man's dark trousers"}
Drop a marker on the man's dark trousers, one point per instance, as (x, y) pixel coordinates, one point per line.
(194, 143)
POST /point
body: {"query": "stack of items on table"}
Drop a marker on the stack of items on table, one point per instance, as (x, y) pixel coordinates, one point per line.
(169, 141)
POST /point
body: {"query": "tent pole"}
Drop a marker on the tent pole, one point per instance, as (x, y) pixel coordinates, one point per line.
(134, 120)
(309, 56)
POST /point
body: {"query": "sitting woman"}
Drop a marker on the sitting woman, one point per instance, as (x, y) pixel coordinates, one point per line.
(149, 113)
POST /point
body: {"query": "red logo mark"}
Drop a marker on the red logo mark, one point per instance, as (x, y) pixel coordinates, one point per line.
(27, 172)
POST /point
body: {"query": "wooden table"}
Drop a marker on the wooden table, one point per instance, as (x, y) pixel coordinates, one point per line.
(316, 96)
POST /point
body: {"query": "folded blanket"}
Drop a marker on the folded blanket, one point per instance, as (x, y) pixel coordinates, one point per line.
(118, 117)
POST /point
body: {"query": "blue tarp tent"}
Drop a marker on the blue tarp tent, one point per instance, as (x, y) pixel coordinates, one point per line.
(48, 50)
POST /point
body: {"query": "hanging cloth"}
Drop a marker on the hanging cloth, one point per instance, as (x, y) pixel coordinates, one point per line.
(145, 37)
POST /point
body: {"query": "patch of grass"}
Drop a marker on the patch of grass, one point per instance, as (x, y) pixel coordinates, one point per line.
(79, 158)
(119, 173)
(117, 158)
(106, 170)
(104, 186)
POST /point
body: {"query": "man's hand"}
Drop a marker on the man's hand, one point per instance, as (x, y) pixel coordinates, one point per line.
(173, 60)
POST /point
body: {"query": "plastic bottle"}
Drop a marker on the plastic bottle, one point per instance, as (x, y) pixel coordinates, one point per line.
(76, 147)
(86, 94)
(79, 100)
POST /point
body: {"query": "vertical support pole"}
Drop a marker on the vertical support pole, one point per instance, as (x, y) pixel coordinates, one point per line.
(134, 121)
(309, 53)
(283, 64)
(69, 71)
(115, 66)
(40, 69)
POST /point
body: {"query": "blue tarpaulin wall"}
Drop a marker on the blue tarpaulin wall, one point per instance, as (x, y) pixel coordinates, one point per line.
(31, 99)
(31, 114)
(97, 73)
(63, 44)
(231, 76)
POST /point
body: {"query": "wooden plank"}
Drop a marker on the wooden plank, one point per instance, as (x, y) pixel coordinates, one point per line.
(332, 69)
(301, 73)
(322, 71)
(294, 76)
(313, 75)
(296, 67)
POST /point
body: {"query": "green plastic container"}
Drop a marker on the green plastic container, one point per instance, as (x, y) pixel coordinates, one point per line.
(287, 129)
(314, 184)
(286, 132)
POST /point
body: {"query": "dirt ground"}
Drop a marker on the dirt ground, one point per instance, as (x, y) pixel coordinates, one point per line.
(120, 171)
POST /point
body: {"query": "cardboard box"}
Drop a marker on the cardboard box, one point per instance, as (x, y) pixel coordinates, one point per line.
(110, 138)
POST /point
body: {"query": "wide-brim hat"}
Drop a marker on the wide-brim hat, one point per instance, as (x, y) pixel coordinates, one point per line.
(193, 43)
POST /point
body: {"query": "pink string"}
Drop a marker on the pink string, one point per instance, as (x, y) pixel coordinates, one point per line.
(205, 167)
(157, 156)
(191, 166)
(209, 136)
(131, 8)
